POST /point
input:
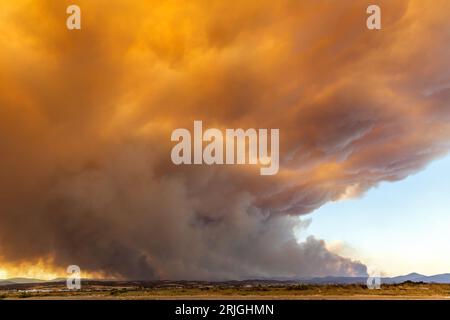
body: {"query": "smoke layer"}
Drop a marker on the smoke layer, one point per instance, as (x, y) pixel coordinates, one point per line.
(86, 116)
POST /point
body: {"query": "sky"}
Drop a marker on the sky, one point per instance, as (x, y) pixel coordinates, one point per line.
(396, 228)
(86, 118)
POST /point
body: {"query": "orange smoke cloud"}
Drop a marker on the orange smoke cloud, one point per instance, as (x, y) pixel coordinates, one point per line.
(86, 117)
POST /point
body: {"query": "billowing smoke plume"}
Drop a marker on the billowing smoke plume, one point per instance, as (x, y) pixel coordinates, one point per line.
(86, 116)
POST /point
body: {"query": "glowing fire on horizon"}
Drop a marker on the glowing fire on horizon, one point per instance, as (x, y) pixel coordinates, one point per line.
(42, 270)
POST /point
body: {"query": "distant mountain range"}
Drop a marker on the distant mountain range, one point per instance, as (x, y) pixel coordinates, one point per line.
(413, 277)
(13, 281)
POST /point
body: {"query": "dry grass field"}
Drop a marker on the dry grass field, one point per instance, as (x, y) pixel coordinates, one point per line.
(187, 290)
